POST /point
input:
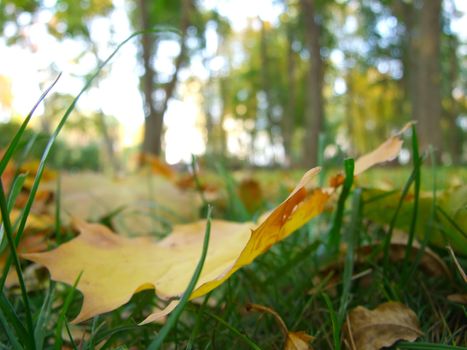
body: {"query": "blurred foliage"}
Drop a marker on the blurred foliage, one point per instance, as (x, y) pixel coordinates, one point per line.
(255, 89)
(62, 155)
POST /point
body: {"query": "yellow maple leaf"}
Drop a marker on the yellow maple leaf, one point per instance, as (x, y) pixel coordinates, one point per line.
(115, 267)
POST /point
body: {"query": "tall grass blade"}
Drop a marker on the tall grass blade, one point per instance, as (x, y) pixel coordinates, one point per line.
(413, 224)
(236, 209)
(11, 337)
(234, 330)
(44, 315)
(14, 193)
(335, 232)
(14, 256)
(14, 143)
(12, 319)
(173, 318)
(62, 317)
(352, 245)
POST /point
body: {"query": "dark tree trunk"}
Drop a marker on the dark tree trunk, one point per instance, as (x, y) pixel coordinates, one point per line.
(426, 74)
(154, 118)
(314, 119)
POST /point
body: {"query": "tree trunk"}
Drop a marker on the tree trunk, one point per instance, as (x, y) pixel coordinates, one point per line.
(426, 99)
(154, 118)
(314, 119)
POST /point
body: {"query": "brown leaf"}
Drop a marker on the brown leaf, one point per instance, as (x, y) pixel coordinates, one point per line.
(381, 327)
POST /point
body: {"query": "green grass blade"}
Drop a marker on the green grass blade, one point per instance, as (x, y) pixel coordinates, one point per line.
(451, 221)
(11, 337)
(62, 317)
(234, 330)
(14, 193)
(11, 318)
(70, 336)
(171, 321)
(11, 243)
(352, 245)
(58, 196)
(197, 325)
(335, 232)
(14, 143)
(199, 188)
(44, 314)
(334, 322)
(236, 209)
(110, 333)
(413, 224)
(392, 225)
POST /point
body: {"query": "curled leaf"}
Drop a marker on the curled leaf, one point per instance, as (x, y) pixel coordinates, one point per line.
(381, 327)
(384, 153)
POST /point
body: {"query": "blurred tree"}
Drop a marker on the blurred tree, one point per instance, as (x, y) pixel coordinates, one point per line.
(425, 66)
(159, 87)
(315, 108)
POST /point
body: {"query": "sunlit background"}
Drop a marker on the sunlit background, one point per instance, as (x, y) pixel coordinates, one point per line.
(363, 78)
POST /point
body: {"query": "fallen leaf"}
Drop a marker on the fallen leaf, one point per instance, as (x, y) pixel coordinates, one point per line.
(115, 267)
(381, 327)
(294, 340)
(385, 152)
(138, 204)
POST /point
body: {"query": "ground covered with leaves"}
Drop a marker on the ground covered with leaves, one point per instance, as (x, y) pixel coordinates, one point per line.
(334, 259)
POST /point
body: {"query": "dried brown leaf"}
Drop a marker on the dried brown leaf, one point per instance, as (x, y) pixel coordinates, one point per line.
(381, 327)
